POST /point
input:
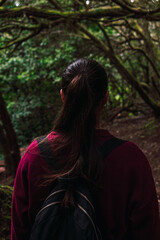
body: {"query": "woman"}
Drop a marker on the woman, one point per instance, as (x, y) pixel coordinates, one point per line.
(125, 192)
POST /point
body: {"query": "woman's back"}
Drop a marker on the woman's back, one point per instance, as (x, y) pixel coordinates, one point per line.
(127, 204)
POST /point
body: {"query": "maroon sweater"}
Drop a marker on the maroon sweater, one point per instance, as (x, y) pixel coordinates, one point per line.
(127, 204)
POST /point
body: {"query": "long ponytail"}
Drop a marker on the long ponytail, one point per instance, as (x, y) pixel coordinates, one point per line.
(84, 84)
(77, 121)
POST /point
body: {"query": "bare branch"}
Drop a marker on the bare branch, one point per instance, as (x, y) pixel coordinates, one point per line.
(128, 3)
(19, 26)
(136, 28)
(21, 39)
(56, 4)
(94, 13)
(2, 2)
(124, 50)
(91, 36)
(126, 41)
(155, 86)
(124, 5)
(35, 29)
(106, 37)
(129, 7)
(147, 57)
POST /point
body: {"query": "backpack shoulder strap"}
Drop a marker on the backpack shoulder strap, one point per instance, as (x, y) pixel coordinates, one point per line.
(47, 153)
(109, 145)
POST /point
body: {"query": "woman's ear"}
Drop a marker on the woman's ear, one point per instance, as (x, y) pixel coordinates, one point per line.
(105, 98)
(62, 95)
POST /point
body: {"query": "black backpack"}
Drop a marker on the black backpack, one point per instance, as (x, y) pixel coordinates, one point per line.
(78, 222)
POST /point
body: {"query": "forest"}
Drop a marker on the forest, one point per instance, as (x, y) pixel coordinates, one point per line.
(40, 38)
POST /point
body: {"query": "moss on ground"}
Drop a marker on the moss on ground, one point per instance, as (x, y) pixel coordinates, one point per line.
(5, 211)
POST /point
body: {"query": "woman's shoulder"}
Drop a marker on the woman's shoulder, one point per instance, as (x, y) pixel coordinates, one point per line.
(33, 147)
(127, 163)
(125, 151)
(33, 152)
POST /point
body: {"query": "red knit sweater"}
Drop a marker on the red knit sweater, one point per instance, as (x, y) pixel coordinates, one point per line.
(127, 205)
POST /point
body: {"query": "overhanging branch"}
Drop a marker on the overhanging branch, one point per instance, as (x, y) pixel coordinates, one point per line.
(147, 57)
(91, 36)
(94, 13)
(125, 6)
(19, 26)
(56, 4)
(21, 39)
(106, 37)
(2, 2)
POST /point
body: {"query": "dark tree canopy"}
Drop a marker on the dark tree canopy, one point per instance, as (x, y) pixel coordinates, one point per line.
(118, 28)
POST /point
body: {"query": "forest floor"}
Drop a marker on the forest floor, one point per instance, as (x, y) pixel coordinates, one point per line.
(142, 130)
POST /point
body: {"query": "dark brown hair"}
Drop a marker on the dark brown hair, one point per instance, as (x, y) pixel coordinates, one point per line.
(84, 84)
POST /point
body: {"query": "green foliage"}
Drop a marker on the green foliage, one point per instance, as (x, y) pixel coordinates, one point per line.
(30, 79)
(30, 86)
(5, 210)
(1, 156)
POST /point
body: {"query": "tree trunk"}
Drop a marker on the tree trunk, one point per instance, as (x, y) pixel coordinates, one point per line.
(6, 152)
(8, 140)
